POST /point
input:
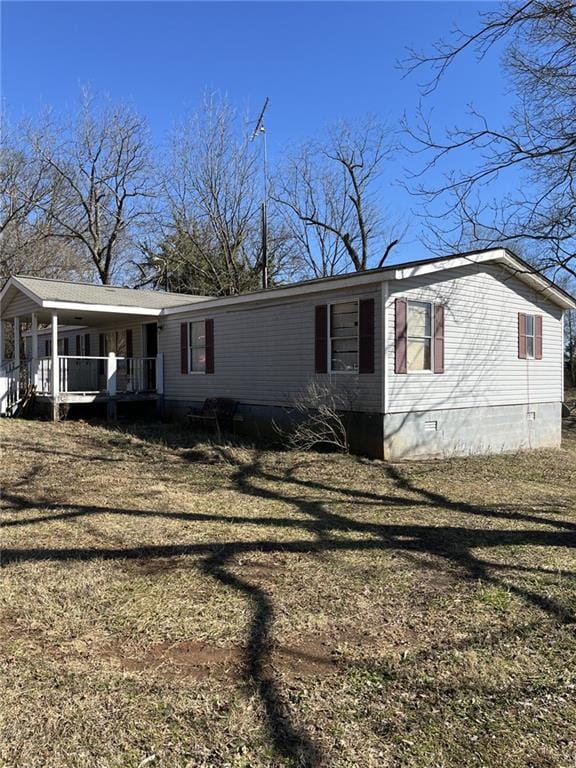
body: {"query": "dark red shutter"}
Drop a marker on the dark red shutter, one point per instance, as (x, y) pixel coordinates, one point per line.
(47, 347)
(400, 330)
(438, 338)
(66, 347)
(521, 336)
(366, 336)
(321, 338)
(129, 343)
(209, 340)
(538, 337)
(78, 346)
(87, 344)
(184, 367)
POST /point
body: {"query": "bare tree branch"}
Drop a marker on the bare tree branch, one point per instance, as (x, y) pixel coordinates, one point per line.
(328, 195)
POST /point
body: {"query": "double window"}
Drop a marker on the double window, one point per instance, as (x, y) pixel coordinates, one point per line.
(344, 337)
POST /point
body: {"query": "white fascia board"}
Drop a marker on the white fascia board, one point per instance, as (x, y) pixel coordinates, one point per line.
(498, 255)
(115, 309)
(355, 280)
(537, 280)
(458, 261)
(14, 282)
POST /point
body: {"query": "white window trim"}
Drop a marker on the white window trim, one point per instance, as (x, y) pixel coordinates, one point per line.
(531, 336)
(331, 371)
(189, 347)
(424, 371)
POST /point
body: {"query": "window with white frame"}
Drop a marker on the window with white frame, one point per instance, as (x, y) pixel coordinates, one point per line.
(113, 341)
(419, 336)
(62, 347)
(530, 335)
(197, 347)
(344, 337)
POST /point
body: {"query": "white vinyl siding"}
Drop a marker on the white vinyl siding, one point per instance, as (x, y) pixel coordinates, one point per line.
(481, 343)
(264, 354)
(18, 306)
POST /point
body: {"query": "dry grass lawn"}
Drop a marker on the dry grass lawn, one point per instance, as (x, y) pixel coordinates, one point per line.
(170, 603)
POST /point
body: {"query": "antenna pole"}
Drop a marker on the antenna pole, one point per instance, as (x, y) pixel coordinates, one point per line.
(265, 217)
(260, 129)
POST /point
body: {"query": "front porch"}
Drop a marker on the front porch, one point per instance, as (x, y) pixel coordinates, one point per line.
(73, 380)
(121, 375)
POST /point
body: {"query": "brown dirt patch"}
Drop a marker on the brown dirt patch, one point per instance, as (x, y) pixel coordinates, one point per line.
(198, 660)
(184, 659)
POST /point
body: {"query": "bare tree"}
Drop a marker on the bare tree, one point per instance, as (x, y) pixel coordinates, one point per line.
(102, 190)
(26, 183)
(317, 419)
(212, 232)
(536, 148)
(329, 195)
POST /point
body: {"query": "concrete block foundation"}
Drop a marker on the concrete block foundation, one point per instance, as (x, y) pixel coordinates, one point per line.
(414, 435)
(472, 431)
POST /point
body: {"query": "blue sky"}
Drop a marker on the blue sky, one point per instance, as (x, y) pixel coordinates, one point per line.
(316, 61)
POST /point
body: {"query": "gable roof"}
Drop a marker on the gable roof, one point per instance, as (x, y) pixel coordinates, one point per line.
(59, 294)
(109, 295)
(514, 264)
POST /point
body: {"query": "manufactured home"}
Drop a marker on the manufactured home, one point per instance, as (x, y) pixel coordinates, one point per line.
(449, 356)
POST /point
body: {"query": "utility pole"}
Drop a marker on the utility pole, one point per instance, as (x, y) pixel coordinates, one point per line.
(261, 130)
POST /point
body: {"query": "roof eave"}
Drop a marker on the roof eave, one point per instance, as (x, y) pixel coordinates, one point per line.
(116, 309)
(500, 255)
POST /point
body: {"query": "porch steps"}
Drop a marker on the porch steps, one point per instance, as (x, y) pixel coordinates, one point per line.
(23, 407)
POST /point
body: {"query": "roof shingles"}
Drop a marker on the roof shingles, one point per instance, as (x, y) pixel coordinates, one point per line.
(85, 293)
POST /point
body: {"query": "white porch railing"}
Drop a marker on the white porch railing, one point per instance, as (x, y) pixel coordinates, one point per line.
(15, 379)
(95, 375)
(83, 375)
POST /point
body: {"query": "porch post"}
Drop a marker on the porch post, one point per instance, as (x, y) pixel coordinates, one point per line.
(111, 386)
(17, 341)
(2, 343)
(160, 373)
(55, 369)
(34, 363)
(111, 374)
(160, 384)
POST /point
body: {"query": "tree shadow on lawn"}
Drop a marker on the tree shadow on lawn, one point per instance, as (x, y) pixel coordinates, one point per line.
(333, 532)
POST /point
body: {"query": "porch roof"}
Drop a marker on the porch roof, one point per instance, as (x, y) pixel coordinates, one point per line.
(83, 303)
